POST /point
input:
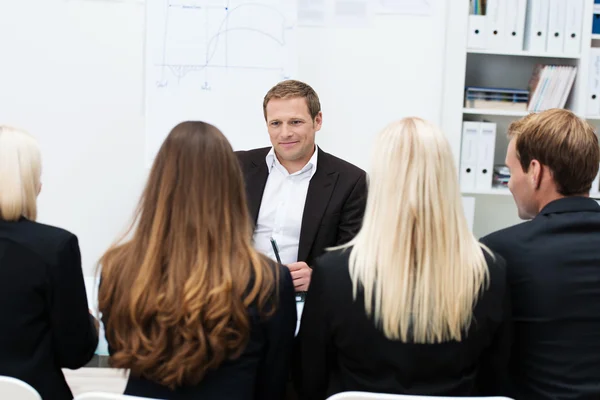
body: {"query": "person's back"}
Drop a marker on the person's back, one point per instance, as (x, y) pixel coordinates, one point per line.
(413, 305)
(43, 307)
(364, 359)
(190, 308)
(554, 279)
(554, 259)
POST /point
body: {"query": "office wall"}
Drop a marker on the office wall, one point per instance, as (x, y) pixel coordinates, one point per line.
(71, 73)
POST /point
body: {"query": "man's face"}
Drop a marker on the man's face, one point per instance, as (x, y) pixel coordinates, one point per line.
(521, 184)
(291, 129)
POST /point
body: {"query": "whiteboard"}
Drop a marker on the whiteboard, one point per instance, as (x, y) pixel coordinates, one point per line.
(73, 75)
(214, 60)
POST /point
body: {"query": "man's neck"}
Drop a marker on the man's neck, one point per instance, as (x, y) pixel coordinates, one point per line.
(296, 165)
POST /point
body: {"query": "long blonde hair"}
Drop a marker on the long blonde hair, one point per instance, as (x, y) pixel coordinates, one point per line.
(418, 264)
(20, 172)
(176, 293)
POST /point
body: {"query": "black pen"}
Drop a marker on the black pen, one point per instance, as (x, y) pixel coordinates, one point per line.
(275, 250)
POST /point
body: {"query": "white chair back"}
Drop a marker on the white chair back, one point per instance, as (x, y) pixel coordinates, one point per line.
(12, 388)
(108, 396)
(382, 396)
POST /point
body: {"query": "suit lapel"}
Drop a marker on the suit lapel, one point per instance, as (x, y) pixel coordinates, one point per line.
(256, 179)
(319, 192)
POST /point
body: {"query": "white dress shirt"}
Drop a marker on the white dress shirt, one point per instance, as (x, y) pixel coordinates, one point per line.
(282, 207)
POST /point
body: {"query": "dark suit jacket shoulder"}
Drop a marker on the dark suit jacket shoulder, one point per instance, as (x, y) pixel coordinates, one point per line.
(554, 276)
(341, 349)
(260, 372)
(43, 305)
(335, 202)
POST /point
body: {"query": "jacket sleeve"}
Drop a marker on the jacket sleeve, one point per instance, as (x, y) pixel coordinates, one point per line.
(74, 332)
(274, 370)
(353, 211)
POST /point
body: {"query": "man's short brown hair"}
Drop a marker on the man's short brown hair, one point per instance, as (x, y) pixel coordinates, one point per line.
(564, 143)
(290, 89)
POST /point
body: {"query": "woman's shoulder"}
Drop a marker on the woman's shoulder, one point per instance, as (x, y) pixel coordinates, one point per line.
(45, 240)
(335, 259)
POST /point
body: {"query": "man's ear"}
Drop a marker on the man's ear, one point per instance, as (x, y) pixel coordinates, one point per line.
(536, 173)
(318, 121)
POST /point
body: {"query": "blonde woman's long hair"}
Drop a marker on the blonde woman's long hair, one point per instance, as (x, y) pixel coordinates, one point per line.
(20, 172)
(418, 264)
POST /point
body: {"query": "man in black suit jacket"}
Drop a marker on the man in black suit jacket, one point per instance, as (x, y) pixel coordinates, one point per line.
(553, 261)
(304, 198)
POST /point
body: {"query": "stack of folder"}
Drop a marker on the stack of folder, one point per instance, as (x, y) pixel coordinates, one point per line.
(496, 98)
(553, 26)
(501, 176)
(550, 86)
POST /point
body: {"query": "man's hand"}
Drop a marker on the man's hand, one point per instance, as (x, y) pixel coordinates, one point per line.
(301, 273)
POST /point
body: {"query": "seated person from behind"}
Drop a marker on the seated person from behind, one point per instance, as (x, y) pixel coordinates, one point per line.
(414, 304)
(553, 260)
(45, 325)
(188, 305)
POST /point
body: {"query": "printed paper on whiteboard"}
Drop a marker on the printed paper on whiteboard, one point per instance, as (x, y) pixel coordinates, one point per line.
(412, 7)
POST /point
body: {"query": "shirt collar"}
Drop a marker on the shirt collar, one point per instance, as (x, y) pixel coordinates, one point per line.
(272, 161)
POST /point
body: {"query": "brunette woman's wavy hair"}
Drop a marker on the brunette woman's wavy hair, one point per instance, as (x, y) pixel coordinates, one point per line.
(176, 287)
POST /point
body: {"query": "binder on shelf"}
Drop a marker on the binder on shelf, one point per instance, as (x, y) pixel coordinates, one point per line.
(468, 155)
(515, 23)
(486, 145)
(596, 24)
(550, 86)
(573, 26)
(593, 92)
(496, 24)
(477, 34)
(536, 25)
(556, 26)
(496, 98)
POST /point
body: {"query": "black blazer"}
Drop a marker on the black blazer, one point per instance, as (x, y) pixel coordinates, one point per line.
(554, 275)
(335, 202)
(46, 323)
(259, 373)
(342, 350)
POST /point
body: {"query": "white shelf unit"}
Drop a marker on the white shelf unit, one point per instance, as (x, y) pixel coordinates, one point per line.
(523, 53)
(505, 113)
(465, 66)
(495, 191)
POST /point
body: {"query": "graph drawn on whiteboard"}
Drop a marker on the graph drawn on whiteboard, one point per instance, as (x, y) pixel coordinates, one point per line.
(202, 36)
(214, 60)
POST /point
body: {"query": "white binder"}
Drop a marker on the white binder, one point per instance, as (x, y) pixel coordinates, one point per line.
(556, 26)
(515, 24)
(573, 26)
(485, 156)
(496, 24)
(536, 25)
(593, 93)
(468, 156)
(477, 35)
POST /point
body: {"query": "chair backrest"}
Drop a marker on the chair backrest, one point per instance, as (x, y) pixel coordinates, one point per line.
(108, 396)
(12, 388)
(382, 396)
